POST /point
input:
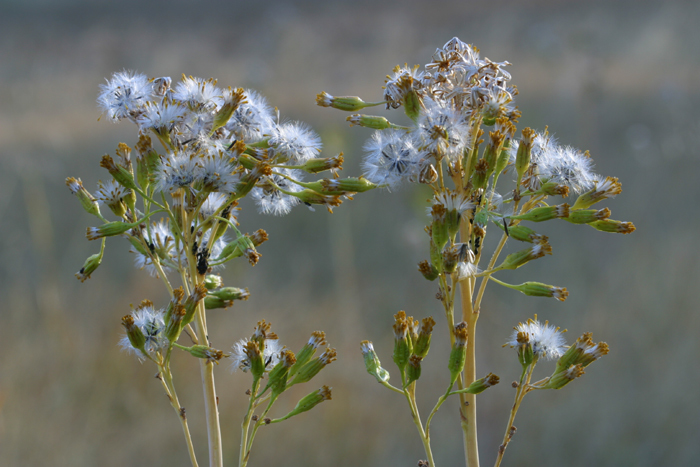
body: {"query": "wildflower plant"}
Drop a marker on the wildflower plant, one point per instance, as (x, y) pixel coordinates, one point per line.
(462, 142)
(176, 204)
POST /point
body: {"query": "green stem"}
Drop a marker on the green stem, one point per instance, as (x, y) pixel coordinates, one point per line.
(242, 457)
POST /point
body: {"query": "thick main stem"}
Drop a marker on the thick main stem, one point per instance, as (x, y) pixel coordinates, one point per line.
(468, 401)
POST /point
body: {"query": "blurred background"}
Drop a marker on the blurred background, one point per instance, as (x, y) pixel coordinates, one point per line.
(617, 78)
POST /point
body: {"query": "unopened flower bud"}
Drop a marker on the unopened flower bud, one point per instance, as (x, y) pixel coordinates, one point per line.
(402, 344)
(369, 121)
(544, 213)
(204, 351)
(458, 355)
(198, 293)
(517, 259)
(317, 165)
(212, 281)
(524, 234)
(586, 216)
(134, 333)
(413, 370)
(354, 185)
(109, 229)
(231, 103)
(372, 363)
(308, 402)
(422, 345)
(428, 270)
(278, 375)
(538, 289)
(212, 303)
(312, 368)
(608, 188)
(480, 385)
(123, 176)
(230, 293)
(173, 327)
(553, 189)
(88, 201)
(562, 378)
(522, 157)
(91, 264)
(346, 103)
(317, 339)
(613, 226)
(257, 365)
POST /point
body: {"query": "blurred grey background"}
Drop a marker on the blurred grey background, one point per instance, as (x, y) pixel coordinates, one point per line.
(617, 78)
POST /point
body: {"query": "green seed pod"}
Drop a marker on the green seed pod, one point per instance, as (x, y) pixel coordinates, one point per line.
(544, 213)
(88, 201)
(428, 270)
(480, 385)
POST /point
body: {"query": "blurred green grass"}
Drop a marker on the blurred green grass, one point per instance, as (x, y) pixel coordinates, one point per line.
(618, 78)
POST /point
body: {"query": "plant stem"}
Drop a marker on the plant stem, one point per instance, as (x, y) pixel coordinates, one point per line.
(519, 395)
(468, 401)
(411, 398)
(167, 380)
(242, 456)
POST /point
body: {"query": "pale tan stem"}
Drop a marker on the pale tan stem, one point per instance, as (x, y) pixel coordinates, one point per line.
(468, 401)
(519, 395)
(169, 387)
(425, 438)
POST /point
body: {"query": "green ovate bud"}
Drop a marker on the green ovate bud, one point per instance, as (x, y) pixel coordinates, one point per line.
(369, 121)
(109, 229)
(544, 213)
(422, 345)
(553, 189)
(538, 289)
(458, 355)
(312, 368)
(122, 175)
(212, 303)
(517, 259)
(480, 385)
(236, 248)
(230, 105)
(413, 370)
(613, 226)
(204, 351)
(257, 365)
(173, 327)
(522, 157)
(91, 264)
(523, 233)
(585, 216)
(317, 165)
(212, 281)
(372, 363)
(342, 186)
(428, 270)
(346, 103)
(402, 343)
(88, 201)
(526, 356)
(230, 293)
(439, 233)
(436, 257)
(278, 376)
(503, 157)
(412, 105)
(199, 292)
(308, 402)
(561, 379)
(608, 188)
(317, 339)
(134, 333)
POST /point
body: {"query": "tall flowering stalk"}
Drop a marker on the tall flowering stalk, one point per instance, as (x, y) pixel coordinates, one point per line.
(462, 142)
(176, 204)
